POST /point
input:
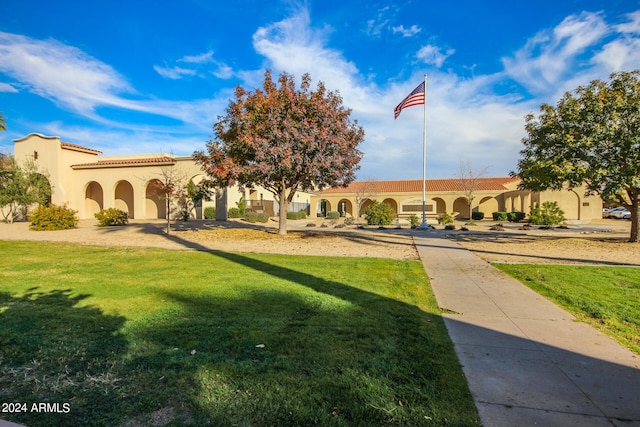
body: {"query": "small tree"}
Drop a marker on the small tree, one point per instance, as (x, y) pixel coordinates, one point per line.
(168, 186)
(21, 186)
(378, 213)
(364, 190)
(285, 140)
(550, 214)
(469, 180)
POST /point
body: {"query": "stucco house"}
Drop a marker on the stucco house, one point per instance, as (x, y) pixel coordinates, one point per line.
(449, 195)
(87, 181)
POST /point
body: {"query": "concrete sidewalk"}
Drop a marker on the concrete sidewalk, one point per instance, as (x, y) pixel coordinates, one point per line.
(527, 362)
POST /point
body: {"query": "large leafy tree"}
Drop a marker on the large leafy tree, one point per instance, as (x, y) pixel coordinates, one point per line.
(285, 140)
(591, 137)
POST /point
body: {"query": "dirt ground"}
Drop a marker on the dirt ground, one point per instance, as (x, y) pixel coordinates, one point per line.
(232, 236)
(602, 242)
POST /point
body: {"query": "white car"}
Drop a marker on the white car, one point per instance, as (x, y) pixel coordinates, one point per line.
(611, 213)
(627, 215)
(619, 214)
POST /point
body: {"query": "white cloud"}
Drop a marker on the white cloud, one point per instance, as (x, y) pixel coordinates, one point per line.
(82, 84)
(223, 72)
(199, 66)
(146, 140)
(622, 53)
(406, 32)
(550, 57)
(174, 73)
(6, 87)
(381, 21)
(618, 55)
(203, 58)
(632, 26)
(431, 54)
(465, 119)
(61, 73)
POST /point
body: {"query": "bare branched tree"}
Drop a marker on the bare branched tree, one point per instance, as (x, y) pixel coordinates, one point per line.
(364, 190)
(469, 180)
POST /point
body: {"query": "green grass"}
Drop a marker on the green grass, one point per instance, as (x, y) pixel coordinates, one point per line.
(606, 297)
(128, 335)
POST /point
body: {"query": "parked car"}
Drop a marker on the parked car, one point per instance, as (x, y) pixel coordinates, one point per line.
(619, 214)
(612, 213)
(627, 215)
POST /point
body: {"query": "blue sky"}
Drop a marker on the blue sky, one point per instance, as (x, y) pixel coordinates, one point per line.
(152, 76)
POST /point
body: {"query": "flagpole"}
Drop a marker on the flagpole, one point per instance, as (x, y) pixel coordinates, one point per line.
(424, 160)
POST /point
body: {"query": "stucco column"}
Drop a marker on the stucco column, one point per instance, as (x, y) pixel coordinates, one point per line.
(139, 200)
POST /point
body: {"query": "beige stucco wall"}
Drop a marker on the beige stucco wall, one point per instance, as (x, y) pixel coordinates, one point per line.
(574, 203)
(118, 182)
(124, 184)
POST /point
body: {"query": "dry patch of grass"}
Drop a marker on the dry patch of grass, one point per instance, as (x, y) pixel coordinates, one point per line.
(307, 242)
(551, 249)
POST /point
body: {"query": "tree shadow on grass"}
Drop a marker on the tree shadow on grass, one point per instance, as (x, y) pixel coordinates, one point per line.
(337, 355)
(305, 351)
(53, 350)
(289, 357)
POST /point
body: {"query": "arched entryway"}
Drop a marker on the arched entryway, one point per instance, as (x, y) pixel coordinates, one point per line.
(155, 206)
(488, 205)
(571, 205)
(93, 199)
(322, 208)
(124, 197)
(392, 204)
(461, 207)
(345, 207)
(441, 206)
(365, 204)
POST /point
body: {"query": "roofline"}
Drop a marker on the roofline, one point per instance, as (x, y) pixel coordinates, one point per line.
(75, 147)
(106, 164)
(36, 134)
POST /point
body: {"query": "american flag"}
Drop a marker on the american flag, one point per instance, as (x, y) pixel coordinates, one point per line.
(414, 98)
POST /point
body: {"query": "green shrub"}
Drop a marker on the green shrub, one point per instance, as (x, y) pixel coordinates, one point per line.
(253, 217)
(549, 214)
(414, 220)
(241, 204)
(235, 213)
(210, 212)
(499, 216)
(333, 215)
(378, 213)
(477, 216)
(297, 215)
(112, 216)
(445, 218)
(349, 221)
(53, 217)
(516, 216)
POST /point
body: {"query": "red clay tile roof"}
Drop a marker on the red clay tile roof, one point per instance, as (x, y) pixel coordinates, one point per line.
(415, 185)
(164, 160)
(76, 147)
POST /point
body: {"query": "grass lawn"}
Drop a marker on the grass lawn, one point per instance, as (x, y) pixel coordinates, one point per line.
(139, 336)
(606, 297)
